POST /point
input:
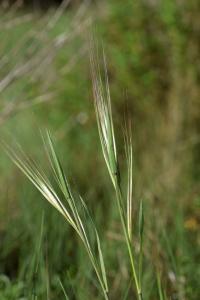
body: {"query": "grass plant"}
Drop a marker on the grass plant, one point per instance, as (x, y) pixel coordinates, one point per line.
(108, 143)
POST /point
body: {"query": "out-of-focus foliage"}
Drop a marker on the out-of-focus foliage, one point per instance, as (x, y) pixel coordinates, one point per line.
(152, 49)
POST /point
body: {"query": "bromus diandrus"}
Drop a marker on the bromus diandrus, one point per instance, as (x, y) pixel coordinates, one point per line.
(73, 208)
(107, 137)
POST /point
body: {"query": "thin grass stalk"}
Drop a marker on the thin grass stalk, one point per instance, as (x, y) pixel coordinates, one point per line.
(160, 289)
(63, 289)
(141, 230)
(128, 243)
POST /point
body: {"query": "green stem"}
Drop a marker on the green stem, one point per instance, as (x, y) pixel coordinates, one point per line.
(94, 264)
(140, 296)
(128, 242)
(140, 263)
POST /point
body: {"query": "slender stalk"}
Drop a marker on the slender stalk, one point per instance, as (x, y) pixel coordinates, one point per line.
(92, 259)
(140, 264)
(128, 242)
(160, 291)
(141, 227)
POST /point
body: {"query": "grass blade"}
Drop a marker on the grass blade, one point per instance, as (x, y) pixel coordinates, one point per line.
(141, 230)
(63, 289)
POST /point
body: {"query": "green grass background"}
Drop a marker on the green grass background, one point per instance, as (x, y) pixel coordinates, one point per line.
(152, 48)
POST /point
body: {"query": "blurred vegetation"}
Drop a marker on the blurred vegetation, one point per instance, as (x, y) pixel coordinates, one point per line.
(152, 48)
